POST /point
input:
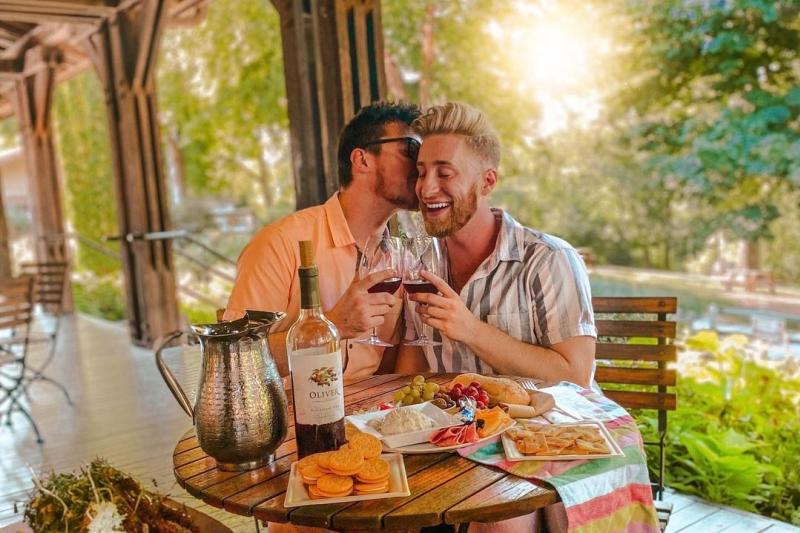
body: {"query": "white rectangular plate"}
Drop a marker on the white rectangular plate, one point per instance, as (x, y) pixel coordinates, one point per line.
(512, 454)
(440, 418)
(297, 494)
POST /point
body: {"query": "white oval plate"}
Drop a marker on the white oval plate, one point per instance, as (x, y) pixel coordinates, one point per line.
(427, 447)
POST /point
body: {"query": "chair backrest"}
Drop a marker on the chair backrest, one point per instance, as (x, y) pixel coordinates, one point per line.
(634, 346)
(16, 305)
(50, 283)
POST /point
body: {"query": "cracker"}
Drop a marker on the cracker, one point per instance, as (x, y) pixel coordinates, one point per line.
(373, 470)
(333, 484)
(368, 445)
(344, 461)
(323, 461)
(372, 488)
(310, 473)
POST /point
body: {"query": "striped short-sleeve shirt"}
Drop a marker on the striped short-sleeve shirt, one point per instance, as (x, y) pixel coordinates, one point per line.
(533, 286)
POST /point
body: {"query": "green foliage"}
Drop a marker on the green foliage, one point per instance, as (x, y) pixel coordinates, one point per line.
(84, 152)
(198, 313)
(102, 297)
(697, 131)
(733, 439)
(717, 99)
(9, 133)
(223, 107)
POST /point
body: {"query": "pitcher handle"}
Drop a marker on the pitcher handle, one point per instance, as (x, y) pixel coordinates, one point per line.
(169, 377)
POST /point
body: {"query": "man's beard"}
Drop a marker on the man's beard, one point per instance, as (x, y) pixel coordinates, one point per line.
(461, 212)
(408, 201)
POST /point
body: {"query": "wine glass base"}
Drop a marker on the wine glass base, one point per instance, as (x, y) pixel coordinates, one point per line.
(374, 341)
(422, 342)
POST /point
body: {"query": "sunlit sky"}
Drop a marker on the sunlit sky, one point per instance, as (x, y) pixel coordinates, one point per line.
(555, 54)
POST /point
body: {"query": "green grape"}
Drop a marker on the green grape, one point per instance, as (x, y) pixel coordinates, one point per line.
(398, 396)
(418, 380)
(432, 387)
(427, 396)
(408, 400)
(406, 390)
(415, 393)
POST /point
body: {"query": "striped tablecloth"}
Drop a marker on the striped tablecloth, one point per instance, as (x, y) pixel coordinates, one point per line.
(600, 495)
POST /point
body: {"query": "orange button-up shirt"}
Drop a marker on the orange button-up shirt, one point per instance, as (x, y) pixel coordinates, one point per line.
(267, 277)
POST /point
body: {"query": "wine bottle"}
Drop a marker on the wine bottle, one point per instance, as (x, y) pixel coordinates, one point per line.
(315, 364)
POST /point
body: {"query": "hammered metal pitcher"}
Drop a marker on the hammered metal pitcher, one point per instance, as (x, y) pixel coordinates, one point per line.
(240, 411)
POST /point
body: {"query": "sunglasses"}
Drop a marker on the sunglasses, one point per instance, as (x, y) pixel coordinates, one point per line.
(412, 145)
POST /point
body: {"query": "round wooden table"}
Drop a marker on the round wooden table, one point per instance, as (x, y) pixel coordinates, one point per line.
(445, 488)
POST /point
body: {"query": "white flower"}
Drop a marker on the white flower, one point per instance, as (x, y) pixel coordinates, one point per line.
(105, 518)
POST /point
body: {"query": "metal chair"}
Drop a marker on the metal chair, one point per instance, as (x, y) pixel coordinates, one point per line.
(50, 284)
(16, 314)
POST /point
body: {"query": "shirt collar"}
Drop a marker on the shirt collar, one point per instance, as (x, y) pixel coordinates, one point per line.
(507, 246)
(337, 224)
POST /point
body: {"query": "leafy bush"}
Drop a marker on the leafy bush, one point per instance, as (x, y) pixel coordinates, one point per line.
(102, 297)
(198, 313)
(733, 439)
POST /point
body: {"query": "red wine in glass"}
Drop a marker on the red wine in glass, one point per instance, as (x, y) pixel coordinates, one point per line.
(389, 285)
(419, 285)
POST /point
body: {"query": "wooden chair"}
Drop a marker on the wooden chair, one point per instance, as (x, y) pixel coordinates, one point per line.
(635, 344)
(50, 284)
(16, 314)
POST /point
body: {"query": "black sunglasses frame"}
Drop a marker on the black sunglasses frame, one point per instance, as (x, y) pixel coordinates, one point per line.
(412, 145)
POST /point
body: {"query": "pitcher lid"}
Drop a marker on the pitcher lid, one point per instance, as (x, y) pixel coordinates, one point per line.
(252, 321)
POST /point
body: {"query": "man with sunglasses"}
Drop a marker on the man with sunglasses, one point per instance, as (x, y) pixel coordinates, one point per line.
(377, 174)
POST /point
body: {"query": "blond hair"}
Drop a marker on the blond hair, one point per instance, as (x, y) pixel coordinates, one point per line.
(462, 119)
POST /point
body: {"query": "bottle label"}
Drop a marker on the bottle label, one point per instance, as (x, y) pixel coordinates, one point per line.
(317, 386)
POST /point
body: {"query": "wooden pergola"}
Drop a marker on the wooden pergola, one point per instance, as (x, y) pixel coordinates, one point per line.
(43, 42)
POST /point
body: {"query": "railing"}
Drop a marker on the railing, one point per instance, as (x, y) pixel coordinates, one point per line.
(186, 247)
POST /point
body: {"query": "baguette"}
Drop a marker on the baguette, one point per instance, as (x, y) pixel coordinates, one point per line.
(500, 390)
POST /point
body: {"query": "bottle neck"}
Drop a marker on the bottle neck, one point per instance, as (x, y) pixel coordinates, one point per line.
(309, 291)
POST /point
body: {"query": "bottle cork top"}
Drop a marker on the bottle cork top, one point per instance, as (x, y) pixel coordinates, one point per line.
(306, 254)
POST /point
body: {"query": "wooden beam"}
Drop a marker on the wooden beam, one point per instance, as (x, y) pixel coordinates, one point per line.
(46, 8)
(32, 102)
(304, 113)
(333, 65)
(124, 53)
(5, 255)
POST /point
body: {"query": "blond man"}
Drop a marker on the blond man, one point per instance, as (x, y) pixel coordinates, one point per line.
(517, 300)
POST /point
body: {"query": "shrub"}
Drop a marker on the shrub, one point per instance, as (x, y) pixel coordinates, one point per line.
(101, 297)
(733, 439)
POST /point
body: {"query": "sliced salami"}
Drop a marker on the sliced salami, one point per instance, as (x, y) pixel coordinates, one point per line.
(455, 435)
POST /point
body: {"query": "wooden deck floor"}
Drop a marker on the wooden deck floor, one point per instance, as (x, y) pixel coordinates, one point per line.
(122, 411)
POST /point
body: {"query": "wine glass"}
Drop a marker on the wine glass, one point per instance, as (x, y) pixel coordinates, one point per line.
(381, 253)
(422, 253)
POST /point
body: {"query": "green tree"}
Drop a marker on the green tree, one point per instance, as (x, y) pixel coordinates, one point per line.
(717, 96)
(223, 105)
(81, 130)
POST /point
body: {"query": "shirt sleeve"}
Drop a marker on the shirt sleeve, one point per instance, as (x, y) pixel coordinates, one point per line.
(562, 298)
(265, 272)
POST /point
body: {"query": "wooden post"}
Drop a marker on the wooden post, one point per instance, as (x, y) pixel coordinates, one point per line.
(33, 99)
(333, 65)
(5, 255)
(124, 52)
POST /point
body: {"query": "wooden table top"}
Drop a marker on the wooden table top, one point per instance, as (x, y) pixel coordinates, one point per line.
(445, 488)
